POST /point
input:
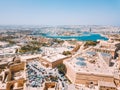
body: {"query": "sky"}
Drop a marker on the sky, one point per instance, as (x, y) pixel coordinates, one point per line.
(59, 12)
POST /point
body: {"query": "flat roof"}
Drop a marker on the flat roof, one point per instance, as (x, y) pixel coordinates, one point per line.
(25, 57)
(99, 67)
(54, 57)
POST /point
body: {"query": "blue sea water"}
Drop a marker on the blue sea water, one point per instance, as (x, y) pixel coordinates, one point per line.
(84, 37)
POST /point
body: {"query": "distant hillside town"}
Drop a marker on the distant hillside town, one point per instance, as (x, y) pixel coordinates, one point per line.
(75, 57)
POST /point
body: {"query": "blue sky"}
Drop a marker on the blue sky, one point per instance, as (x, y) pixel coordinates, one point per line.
(60, 12)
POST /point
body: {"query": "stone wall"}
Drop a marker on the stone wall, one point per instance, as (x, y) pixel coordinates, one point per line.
(106, 88)
(85, 78)
(48, 85)
(17, 67)
(71, 74)
(117, 81)
(55, 63)
(60, 61)
(82, 78)
(104, 51)
(15, 84)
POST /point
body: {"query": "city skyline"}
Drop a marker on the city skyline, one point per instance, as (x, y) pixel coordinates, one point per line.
(60, 12)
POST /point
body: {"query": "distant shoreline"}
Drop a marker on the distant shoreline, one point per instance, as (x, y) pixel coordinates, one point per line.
(84, 37)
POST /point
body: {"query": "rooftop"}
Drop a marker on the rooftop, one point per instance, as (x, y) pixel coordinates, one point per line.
(90, 65)
(54, 57)
(24, 58)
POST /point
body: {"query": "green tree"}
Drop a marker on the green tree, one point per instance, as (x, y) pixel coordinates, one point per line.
(61, 68)
(90, 43)
(66, 53)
